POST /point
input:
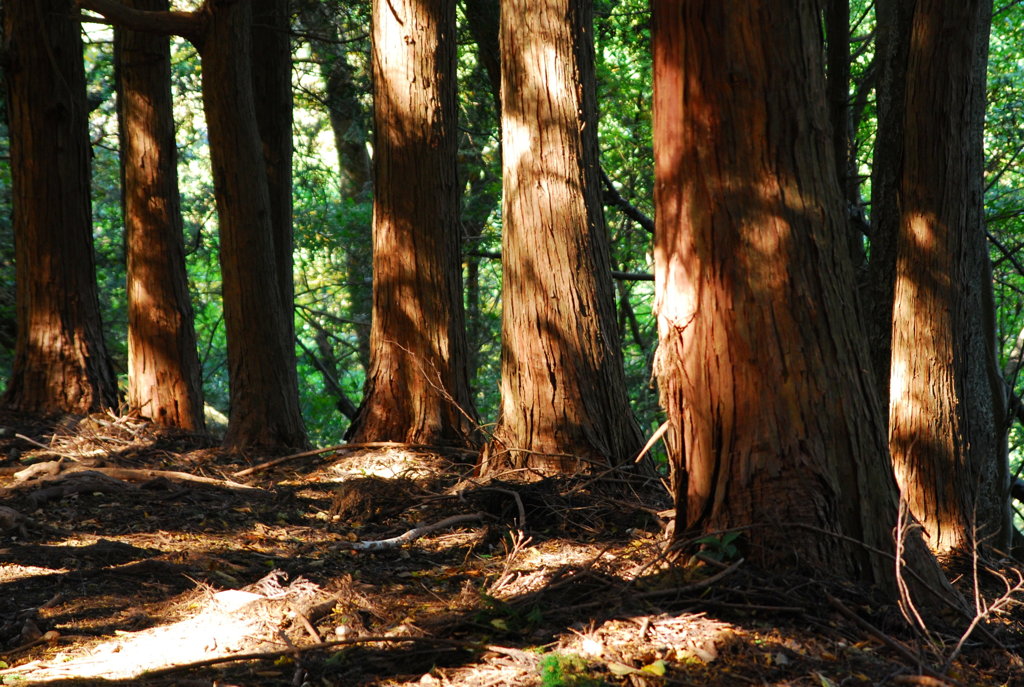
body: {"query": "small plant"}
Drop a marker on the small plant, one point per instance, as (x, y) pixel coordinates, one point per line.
(566, 670)
(721, 549)
(508, 618)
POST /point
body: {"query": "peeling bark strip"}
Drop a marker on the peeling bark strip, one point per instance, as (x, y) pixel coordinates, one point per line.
(163, 365)
(762, 363)
(417, 389)
(942, 429)
(60, 362)
(563, 397)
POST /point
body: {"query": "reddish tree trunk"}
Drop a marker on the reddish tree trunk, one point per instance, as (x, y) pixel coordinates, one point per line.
(942, 427)
(61, 362)
(563, 395)
(163, 366)
(264, 386)
(762, 364)
(417, 389)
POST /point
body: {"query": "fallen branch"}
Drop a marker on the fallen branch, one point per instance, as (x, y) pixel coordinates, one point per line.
(344, 448)
(411, 535)
(144, 475)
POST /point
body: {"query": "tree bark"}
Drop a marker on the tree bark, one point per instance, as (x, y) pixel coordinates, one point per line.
(272, 89)
(943, 432)
(164, 380)
(61, 362)
(837, 42)
(893, 43)
(762, 365)
(417, 390)
(563, 397)
(261, 352)
(264, 389)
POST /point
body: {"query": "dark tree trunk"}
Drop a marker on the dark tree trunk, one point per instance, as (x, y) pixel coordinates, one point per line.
(893, 43)
(272, 89)
(942, 430)
(563, 396)
(484, 20)
(837, 42)
(762, 364)
(417, 390)
(61, 363)
(261, 354)
(163, 367)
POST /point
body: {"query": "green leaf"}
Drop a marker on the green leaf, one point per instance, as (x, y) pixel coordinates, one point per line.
(657, 668)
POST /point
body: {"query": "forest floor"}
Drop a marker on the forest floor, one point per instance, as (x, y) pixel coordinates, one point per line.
(132, 555)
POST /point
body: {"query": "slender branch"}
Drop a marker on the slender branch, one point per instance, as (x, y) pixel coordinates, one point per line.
(1006, 252)
(175, 23)
(893, 644)
(612, 196)
(343, 404)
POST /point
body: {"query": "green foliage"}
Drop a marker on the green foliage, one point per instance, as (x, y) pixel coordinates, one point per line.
(1004, 201)
(507, 618)
(720, 548)
(566, 670)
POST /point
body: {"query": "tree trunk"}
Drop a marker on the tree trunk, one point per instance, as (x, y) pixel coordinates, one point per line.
(893, 41)
(261, 355)
(837, 24)
(563, 396)
(943, 433)
(762, 365)
(272, 89)
(164, 381)
(61, 363)
(417, 390)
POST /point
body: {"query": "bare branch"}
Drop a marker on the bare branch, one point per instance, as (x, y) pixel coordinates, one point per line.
(613, 197)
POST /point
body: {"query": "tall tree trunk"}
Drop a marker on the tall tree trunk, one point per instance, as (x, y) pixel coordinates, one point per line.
(563, 395)
(418, 388)
(261, 355)
(272, 89)
(763, 369)
(893, 43)
(61, 363)
(163, 366)
(837, 42)
(943, 433)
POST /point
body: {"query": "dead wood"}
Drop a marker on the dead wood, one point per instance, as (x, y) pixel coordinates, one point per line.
(56, 470)
(411, 535)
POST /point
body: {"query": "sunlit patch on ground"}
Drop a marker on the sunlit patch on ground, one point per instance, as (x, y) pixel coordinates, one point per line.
(547, 583)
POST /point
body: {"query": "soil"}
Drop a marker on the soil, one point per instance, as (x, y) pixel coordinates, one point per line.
(131, 554)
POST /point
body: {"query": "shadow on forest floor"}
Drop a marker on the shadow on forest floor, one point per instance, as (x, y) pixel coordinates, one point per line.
(114, 570)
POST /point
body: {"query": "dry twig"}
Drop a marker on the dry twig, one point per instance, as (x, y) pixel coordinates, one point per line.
(411, 535)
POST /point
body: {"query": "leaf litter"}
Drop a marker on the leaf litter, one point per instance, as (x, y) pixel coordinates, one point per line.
(131, 554)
